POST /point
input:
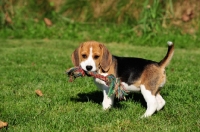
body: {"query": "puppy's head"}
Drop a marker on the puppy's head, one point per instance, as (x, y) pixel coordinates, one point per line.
(92, 56)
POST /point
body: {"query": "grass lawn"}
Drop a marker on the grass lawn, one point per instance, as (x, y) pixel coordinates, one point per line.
(27, 65)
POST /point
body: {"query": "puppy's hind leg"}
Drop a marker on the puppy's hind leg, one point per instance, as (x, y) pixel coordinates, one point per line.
(160, 101)
(151, 101)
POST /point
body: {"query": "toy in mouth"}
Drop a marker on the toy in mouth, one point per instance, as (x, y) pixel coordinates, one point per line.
(114, 83)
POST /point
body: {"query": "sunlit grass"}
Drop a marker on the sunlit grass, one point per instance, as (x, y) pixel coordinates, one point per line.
(27, 65)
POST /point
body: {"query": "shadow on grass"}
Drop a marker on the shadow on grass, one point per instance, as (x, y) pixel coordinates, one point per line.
(97, 97)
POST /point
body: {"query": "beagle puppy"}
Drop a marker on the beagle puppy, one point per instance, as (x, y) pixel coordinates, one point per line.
(136, 74)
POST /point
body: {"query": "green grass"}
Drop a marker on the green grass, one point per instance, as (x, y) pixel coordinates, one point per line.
(27, 65)
(105, 32)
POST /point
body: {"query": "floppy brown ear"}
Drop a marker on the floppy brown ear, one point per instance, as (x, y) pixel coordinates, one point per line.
(106, 59)
(75, 57)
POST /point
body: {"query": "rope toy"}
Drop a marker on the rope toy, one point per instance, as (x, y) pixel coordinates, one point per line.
(114, 83)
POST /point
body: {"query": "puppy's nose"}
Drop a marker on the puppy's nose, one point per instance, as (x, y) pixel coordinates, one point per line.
(89, 68)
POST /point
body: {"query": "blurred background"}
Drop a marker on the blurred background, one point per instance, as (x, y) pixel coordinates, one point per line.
(143, 22)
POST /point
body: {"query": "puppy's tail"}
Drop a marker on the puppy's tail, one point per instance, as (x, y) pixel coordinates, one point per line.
(165, 61)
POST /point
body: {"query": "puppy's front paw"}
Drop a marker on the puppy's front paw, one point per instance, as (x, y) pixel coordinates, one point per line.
(107, 105)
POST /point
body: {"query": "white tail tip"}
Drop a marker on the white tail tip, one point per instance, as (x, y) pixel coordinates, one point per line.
(170, 43)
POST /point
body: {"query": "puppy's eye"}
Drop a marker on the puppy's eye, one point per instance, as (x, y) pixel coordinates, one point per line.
(84, 56)
(96, 57)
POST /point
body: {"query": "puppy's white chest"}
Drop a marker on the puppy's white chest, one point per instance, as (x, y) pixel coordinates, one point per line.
(99, 81)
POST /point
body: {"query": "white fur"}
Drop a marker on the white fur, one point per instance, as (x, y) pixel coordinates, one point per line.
(160, 101)
(89, 62)
(151, 101)
(170, 43)
(130, 88)
(107, 101)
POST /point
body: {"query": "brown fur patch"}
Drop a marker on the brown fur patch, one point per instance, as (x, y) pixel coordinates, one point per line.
(152, 78)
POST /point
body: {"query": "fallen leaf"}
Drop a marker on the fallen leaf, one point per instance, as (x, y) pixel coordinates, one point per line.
(48, 22)
(38, 92)
(3, 124)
